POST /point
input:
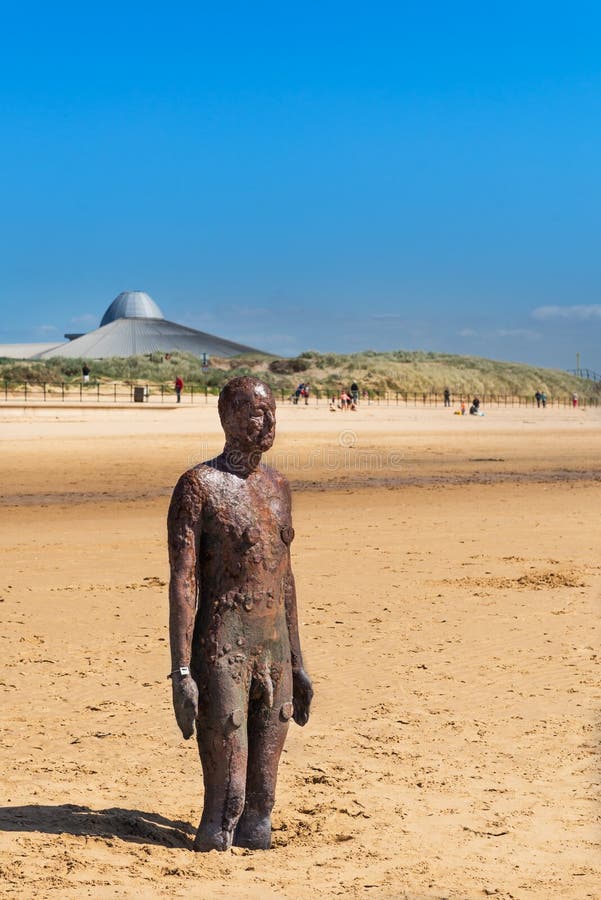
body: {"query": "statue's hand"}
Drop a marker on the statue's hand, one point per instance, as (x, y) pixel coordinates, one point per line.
(185, 703)
(302, 694)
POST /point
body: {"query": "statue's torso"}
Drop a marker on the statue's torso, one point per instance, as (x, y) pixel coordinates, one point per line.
(243, 536)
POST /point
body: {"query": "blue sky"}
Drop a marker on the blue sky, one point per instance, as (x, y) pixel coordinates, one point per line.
(333, 176)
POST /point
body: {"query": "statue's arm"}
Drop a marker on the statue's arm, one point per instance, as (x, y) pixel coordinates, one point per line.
(302, 689)
(182, 529)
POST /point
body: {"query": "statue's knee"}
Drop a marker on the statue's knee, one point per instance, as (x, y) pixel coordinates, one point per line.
(234, 720)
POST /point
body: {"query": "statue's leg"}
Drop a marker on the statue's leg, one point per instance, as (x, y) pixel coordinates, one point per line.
(222, 743)
(267, 729)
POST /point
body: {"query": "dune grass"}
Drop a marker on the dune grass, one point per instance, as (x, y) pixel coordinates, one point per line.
(399, 370)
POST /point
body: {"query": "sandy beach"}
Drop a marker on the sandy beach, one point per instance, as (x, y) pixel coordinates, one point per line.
(448, 573)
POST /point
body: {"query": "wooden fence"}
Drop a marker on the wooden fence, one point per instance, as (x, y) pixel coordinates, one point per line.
(107, 393)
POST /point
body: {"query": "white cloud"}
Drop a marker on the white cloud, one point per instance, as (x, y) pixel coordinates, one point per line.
(527, 333)
(45, 329)
(518, 333)
(593, 311)
(199, 320)
(247, 312)
(387, 316)
(85, 319)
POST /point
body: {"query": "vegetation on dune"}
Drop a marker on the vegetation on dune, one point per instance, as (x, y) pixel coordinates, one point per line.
(399, 370)
(429, 372)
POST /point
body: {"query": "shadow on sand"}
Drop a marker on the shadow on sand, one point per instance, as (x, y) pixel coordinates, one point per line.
(125, 824)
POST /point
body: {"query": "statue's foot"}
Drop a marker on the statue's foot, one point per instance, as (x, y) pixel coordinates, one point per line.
(253, 832)
(207, 840)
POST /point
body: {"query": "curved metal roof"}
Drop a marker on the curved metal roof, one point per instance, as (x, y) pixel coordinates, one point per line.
(132, 305)
(131, 336)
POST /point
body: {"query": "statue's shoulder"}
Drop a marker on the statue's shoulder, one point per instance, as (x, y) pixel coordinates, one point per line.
(192, 486)
(279, 481)
(194, 491)
(202, 478)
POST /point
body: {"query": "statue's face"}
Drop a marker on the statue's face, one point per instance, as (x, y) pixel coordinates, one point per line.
(251, 422)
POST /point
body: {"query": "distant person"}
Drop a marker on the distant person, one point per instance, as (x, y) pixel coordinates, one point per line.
(574, 400)
(538, 397)
(298, 392)
(463, 407)
(543, 399)
(179, 386)
(447, 397)
(355, 392)
(85, 371)
(306, 391)
(345, 400)
(475, 407)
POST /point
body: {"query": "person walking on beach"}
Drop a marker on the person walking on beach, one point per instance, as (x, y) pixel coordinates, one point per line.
(85, 371)
(574, 400)
(179, 386)
(538, 397)
(447, 397)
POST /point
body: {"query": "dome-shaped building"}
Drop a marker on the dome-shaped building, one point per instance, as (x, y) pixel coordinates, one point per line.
(134, 324)
(132, 305)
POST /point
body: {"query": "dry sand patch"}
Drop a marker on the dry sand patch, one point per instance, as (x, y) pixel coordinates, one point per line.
(451, 632)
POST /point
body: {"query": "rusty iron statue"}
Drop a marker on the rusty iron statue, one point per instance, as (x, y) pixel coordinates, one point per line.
(235, 650)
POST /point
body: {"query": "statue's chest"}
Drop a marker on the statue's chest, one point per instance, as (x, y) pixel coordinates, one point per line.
(243, 521)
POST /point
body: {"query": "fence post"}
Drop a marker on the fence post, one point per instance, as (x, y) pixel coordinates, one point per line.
(191, 393)
(44, 391)
(80, 392)
(115, 392)
(162, 393)
(6, 388)
(25, 387)
(206, 394)
(63, 390)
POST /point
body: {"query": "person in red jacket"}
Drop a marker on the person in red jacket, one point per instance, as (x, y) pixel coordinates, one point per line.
(179, 386)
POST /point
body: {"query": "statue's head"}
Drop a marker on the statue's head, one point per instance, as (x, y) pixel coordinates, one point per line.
(247, 413)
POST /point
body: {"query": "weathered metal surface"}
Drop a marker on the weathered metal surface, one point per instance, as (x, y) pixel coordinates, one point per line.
(233, 620)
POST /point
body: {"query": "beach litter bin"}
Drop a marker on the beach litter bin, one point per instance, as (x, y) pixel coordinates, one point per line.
(138, 395)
